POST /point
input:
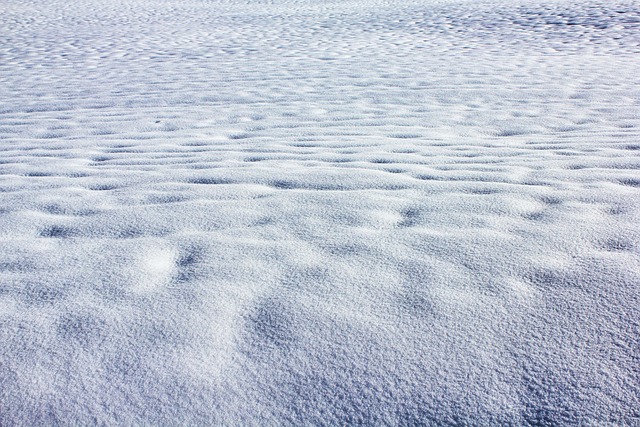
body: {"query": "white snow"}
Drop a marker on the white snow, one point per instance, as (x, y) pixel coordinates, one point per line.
(301, 212)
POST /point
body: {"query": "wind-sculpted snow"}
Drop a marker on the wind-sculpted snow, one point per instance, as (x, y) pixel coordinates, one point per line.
(298, 212)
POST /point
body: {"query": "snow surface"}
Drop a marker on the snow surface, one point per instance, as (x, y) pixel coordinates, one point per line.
(319, 212)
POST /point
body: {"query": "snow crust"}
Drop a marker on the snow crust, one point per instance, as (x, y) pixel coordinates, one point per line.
(297, 212)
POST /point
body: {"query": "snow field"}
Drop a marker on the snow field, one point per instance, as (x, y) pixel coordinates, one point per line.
(319, 213)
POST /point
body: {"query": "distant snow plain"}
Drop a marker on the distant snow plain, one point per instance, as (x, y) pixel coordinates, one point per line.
(331, 212)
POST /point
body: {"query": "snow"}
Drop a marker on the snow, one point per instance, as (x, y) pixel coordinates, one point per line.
(297, 212)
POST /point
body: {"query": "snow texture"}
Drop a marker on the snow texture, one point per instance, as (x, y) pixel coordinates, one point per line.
(320, 212)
